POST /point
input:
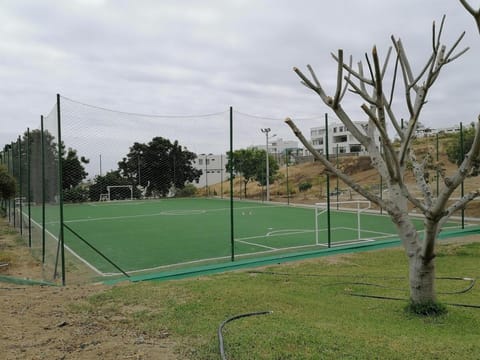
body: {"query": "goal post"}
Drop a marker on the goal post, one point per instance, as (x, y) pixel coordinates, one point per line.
(355, 206)
(129, 188)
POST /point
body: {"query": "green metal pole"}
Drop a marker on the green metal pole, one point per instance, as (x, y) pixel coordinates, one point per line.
(287, 158)
(20, 184)
(60, 189)
(221, 176)
(11, 173)
(381, 193)
(336, 190)
(11, 205)
(438, 158)
(42, 139)
(232, 232)
(329, 233)
(381, 186)
(29, 191)
(462, 189)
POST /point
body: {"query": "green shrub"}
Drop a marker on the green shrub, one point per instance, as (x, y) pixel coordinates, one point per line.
(188, 191)
(304, 186)
(429, 308)
(76, 194)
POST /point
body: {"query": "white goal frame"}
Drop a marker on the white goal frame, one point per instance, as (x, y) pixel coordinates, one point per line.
(321, 208)
(110, 187)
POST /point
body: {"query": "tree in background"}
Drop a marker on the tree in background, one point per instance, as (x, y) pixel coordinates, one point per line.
(7, 184)
(455, 153)
(73, 169)
(161, 165)
(100, 183)
(251, 165)
(390, 161)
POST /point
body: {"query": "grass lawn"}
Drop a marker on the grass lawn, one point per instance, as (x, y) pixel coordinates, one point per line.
(314, 314)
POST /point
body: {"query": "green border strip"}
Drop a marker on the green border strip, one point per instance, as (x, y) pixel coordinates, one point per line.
(251, 263)
(22, 281)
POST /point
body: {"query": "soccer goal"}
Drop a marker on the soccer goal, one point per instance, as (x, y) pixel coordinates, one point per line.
(119, 192)
(354, 206)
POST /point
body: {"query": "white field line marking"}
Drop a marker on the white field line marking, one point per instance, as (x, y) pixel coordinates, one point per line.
(272, 233)
(115, 204)
(255, 244)
(171, 265)
(285, 232)
(210, 259)
(273, 250)
(347, 242)
(369, 231)
(71, 251)
(161, 213)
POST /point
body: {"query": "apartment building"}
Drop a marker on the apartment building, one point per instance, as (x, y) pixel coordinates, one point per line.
(338, 138)
(213, 169)
(278, 146)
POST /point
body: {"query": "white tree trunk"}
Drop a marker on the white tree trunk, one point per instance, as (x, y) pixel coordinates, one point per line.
(421, 267)
(422, 279)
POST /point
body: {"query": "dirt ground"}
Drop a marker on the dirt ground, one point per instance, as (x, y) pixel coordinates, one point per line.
(37, 322)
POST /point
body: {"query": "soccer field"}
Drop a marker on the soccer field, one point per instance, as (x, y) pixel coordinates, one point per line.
(150, 235)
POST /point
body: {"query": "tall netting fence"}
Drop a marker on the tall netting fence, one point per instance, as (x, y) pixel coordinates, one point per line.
(133, 186)
(104, 194)
(270, 218)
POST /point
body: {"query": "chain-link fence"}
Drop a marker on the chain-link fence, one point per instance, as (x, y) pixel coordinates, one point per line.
(106, 193)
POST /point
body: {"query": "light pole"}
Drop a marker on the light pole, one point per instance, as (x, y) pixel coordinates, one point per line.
(206, 172)
(266, 131)
(287, 160)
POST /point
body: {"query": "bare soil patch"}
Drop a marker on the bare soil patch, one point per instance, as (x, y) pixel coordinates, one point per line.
(39, 322)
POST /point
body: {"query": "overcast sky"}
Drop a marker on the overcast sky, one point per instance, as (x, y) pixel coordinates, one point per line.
(197, 57)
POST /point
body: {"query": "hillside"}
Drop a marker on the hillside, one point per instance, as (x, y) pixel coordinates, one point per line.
(358, 167)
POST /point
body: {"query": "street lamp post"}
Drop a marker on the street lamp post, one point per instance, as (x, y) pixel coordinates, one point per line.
(287, 160)
(266, 131)
(206, 172)
(206, 176)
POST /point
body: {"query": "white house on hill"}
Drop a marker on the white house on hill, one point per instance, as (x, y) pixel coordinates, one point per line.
(338, 138)
(213, 169)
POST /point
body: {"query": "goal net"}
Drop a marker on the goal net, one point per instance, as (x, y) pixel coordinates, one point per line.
(354, 206)
(118, 192)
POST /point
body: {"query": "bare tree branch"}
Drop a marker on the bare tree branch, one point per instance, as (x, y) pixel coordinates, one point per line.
(386, 62)
(459, 204)
(342, 115)
(360, 92)
(475, 14)
(314, 76)
(419, 172)
(394, 81)
(402, 59)
(338, 91)
(359, 75)
(346, 78)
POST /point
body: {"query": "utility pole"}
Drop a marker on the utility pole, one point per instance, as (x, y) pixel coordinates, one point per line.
(266, 131)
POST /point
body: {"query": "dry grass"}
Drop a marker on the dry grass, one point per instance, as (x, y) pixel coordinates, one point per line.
(358, 168)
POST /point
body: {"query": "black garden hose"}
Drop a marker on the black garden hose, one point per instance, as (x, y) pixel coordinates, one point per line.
(220, 328)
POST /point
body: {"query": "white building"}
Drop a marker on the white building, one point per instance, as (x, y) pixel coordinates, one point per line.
(278, 146)
(338, 137)
(213, 169)
(426, 132)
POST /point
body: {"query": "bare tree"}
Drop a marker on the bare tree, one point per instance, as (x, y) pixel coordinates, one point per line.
(391, 162)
